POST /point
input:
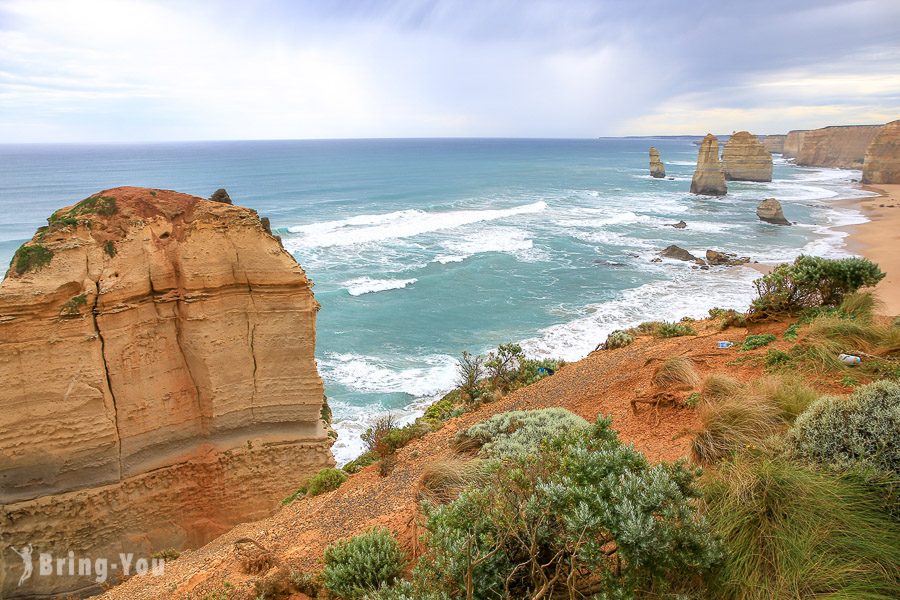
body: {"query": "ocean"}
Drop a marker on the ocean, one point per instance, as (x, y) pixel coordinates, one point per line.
(421, 249)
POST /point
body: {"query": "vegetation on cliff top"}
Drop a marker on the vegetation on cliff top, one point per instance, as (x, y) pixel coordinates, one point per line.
(31, 257)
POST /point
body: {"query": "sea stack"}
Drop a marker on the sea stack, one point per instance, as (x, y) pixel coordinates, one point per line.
(746, 159)
(882, 161)
(657, 168)
(770, 211)
(709, 178)
(160, 384)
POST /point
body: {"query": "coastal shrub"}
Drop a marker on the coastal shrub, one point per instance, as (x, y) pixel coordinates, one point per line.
(752, 342)
(384, 438)
(445, 480)
(732, 424)
(325, 480)
(31, 257)
(363, 564)
(862, 430)
(470, 370)
(405, 590)
(676, 372)
(307, 583)
(584, 515)
(728, 317)
(618, 339)
(110, 248)
(670, 330)
(503, 365)
(516, 433)
(646, 328)
(776, 359)
(811, 281)
(718, 386)
(792, 532)
(360, 462)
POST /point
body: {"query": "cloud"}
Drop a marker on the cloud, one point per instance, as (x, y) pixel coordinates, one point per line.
(133, 70)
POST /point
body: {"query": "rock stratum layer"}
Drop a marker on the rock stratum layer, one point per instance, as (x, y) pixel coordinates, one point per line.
(746, 159)
(709, 178)
(159, 376)
(882, 161)
(657, 168)
(792, 142)
(842, 146)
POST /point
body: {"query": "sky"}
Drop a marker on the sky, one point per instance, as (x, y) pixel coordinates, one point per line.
(157, 70)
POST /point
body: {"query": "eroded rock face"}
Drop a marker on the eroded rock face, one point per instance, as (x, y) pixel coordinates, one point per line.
(657, 168)
(714, 257)
(842, 147)
(882, 161)
(160, 385)
(770, 211)
(709, 178)
(774, 143)
(792, 142)
(746, 159)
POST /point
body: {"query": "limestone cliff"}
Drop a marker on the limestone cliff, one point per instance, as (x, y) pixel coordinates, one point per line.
(746, 159)
(774, 143)
(792, 142)
(841, 147)
(709, 178)
(882, 161)
(159, 379)
(657, 168)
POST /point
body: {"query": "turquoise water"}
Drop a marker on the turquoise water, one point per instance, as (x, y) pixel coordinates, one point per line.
(421, 249)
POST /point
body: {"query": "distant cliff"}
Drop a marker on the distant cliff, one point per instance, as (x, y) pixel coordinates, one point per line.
(838, 146)
(774, 143)
(792, 142)
(882, 162)
(159, 380)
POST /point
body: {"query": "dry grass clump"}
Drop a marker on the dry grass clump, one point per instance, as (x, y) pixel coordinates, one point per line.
(732, 424)
(717, 386)
(442, 482)
(788, 392)
(676, 372)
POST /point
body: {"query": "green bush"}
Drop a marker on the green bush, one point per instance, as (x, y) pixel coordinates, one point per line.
(811, 281)
(752, 342)
(776, 359)
(729, 317)
(31, 257)
(670, 330)
(110, 248)
(363, 564)
(516, 433)
(791, 333)
(584, 515)
(72, 307)
(860, 431)
(325, 480)
(792, 532)
(618, 339)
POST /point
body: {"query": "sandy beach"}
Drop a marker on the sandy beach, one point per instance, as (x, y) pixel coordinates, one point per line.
(879, 240)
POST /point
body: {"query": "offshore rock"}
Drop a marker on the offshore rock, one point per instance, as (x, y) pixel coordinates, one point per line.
(709, 178)
(657, 168)
(746, 159)
(716, 258)
(882, 161)
(770, 211)
(160, 385)
(679, 253)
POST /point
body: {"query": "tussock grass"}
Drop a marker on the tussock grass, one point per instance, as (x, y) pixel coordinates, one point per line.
(733, 424)
(794, 533)
(717, 387)
(442, 482)
(860, 306)
(788, 392)
(676, 372)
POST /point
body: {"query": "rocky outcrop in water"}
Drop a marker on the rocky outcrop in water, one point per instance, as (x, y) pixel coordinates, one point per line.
(679, 253)
(657, 168)
(160, 385)
(841, 146)
(709, 178)
(746, 159)
(770, 211)
(716, 258)
(774, 143)
(882, 160)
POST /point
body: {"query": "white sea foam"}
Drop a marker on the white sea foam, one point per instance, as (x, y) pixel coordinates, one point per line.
(367, 285)
(508, 240)
(687, 293)
(400, 224)
(449, 258)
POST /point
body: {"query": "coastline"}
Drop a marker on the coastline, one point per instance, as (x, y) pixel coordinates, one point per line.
(879, 240)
